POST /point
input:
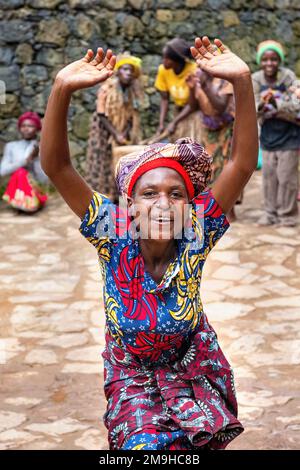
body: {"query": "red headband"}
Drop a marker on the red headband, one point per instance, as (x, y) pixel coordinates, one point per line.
(34, 117)
(163, 162)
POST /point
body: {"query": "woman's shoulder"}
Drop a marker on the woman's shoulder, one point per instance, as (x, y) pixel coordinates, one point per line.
(258, 75)
(286, 74)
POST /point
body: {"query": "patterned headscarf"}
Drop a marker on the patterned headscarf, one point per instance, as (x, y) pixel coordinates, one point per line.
(269, 45)
(187, 157)
(30, 116)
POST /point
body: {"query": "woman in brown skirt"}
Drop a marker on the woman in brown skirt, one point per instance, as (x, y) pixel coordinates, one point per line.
(116, 121)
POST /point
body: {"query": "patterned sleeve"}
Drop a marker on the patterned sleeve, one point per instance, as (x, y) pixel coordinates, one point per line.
(212, 219)
(98, 225)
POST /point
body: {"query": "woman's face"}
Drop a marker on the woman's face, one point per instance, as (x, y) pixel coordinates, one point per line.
(159, 204)
(28, 129)
(168, 62)
(126, 74)
(270, 62)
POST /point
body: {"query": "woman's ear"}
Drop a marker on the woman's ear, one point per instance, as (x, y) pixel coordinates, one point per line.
(130, 205)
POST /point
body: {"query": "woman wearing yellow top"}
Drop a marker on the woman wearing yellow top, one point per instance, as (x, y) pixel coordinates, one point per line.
(171, 82)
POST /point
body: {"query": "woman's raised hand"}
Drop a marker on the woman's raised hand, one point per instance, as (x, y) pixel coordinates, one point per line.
(88, 71)
(217, 60)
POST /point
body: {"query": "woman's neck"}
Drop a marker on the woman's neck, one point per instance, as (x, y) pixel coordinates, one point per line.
(178, 68)
(271, 79)
(157, 254)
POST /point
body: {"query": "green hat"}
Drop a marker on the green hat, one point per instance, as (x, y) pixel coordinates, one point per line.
(269, 45)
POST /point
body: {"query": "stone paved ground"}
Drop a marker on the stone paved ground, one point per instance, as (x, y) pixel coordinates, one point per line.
(51, 320)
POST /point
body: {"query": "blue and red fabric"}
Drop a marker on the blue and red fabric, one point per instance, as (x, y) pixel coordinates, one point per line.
(167, 383)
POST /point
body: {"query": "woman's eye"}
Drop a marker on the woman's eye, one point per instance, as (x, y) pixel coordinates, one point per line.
(176, 194)
(149, 193)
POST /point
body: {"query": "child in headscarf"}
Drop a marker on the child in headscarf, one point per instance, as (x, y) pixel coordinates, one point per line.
(167, 383)
(280, 135)
(116, 121)
(21, 162)
(171, 82)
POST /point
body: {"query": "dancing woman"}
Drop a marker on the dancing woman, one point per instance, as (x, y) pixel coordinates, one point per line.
(167, 382)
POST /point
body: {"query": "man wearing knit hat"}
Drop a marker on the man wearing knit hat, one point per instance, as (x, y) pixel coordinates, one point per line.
(280, 135)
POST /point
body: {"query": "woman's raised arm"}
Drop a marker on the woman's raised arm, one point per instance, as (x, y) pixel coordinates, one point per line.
(222, 63)
(55, 155)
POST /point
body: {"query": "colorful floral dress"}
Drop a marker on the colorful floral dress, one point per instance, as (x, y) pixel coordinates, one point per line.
(167, 382)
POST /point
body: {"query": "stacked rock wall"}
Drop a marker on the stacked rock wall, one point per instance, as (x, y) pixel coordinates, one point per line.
(38, 36)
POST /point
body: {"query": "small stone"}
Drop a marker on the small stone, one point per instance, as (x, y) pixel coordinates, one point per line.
(289, 419)
(83, 368)
(81, 124)
(133, 27)
(293, 301)
(57, 428)
(50, 57)
(9, 419)
(289, 347)
(91, 440)
(232, 273)
(15, 31)
(246, 292)
(279, 287)
(224, 311)
(228, 256)
(210, 296)
(226, 242)
(34, 74)
(193, 3)
(66, 341)
(250, 413)
(6, 55)
(16, 437)
(277, 270)
(215, 285)
(262, 398)
(19, 257)
(41, 356)
(75, 149)
(10, 76)
(49, 258)
(50, 4)
(89, 354)
(24, 53)
(23, 401)
(247, 344)
(244, 372)
(53, 31)
(86, 28)
(164, 16)
(274, 240)
(230, 18)
(9, 348)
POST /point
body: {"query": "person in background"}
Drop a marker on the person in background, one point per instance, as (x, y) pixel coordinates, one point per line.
(116, 121)
(21, 163)
(214, 98)
(171, 82)
(277, 112)
(167, 382)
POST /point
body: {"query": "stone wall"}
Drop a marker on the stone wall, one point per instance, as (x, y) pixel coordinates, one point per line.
(38, 36)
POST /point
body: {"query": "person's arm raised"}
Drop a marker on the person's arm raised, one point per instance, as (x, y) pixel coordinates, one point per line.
(222, 63)
(55, 155)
